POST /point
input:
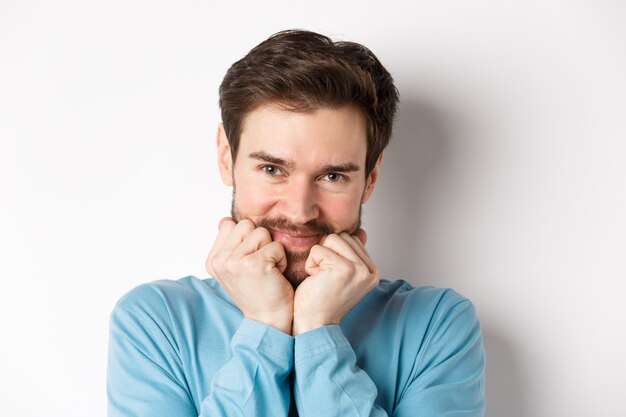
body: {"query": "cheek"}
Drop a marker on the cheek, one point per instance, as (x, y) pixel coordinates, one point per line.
(341, 211)
(251, 200)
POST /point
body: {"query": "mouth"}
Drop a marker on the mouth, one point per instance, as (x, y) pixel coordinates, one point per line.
(295, 241)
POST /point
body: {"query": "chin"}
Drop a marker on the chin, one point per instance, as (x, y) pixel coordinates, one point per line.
(295, 273)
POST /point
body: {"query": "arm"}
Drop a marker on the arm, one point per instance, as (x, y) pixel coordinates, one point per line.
(450, 364)
(146, 376)
(447, 374)
(327, 380)
(255, 381)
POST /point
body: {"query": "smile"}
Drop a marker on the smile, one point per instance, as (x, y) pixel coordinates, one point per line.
(294, 240)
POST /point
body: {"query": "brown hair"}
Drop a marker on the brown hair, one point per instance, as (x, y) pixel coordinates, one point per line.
(303, 71)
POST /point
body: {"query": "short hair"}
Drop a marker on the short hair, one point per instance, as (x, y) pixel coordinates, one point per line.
(303, 71)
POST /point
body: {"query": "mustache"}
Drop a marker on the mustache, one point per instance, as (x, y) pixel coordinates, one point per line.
(309, 228)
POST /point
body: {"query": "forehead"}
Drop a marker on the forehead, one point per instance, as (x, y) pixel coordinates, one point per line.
(325, 135)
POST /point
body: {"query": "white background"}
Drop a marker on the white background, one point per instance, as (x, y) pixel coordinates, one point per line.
(505, 178)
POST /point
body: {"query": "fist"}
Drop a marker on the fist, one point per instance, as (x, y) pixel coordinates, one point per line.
(249, 266)
(340, 272)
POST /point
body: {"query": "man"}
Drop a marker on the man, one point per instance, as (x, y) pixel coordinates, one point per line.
(296, 320)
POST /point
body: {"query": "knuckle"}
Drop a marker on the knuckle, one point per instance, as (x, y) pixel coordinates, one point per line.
(230, 264)
(216, 265)
(263, 234)
(251, 263)
(226, 224)
(276, 246)
(246, 225)
(332, 239)
(247, 263)
(315, 249)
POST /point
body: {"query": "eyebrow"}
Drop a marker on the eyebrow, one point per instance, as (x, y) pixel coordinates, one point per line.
(265, 157)
(271, 159)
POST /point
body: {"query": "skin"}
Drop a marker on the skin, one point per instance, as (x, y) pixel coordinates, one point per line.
(293, 256)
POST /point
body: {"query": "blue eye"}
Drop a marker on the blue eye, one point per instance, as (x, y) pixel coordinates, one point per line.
(334, 177)
(270, 170)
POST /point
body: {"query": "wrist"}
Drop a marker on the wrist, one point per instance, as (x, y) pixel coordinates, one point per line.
(304, 325)
(280, 323)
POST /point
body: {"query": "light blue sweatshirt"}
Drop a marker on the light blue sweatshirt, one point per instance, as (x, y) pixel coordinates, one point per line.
(183, 349)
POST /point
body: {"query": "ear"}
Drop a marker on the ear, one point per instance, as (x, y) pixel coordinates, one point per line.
(370, 181)
(224, 156)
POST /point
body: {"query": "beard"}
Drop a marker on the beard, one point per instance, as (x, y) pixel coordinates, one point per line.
(296, 260)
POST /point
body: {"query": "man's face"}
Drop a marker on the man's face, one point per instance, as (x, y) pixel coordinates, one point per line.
(300, 175)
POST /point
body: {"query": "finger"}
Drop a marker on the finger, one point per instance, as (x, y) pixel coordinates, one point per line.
(351, 248)
(274, 254)
(254, 241)
(342, 246)
(321, 257)
(224, 221)
(226, 225)
(228, 238)
(362, 235)
(357, 246)
(237, 234)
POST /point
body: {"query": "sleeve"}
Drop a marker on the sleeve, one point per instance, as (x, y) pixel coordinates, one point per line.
(449, 371)
(146, 376)
(327, 380)
(255, 381)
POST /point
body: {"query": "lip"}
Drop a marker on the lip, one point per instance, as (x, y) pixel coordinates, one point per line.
(294, 240)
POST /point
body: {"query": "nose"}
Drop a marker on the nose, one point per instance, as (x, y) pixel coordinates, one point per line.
(300, 202)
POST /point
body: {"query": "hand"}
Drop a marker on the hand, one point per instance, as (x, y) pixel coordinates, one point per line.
(340, 272)
(249, 266)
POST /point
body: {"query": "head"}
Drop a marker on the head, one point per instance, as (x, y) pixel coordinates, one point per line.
(312, 117)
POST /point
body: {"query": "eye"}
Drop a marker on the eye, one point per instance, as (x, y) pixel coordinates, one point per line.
(334, 177)
(271, 170)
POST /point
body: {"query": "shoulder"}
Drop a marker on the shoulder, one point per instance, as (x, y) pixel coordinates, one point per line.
(436, 342)
(168, 293)
(167, 303)
(444, 322)
(419, 313)
(423, 300)
(439, 324)
(429, 314)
